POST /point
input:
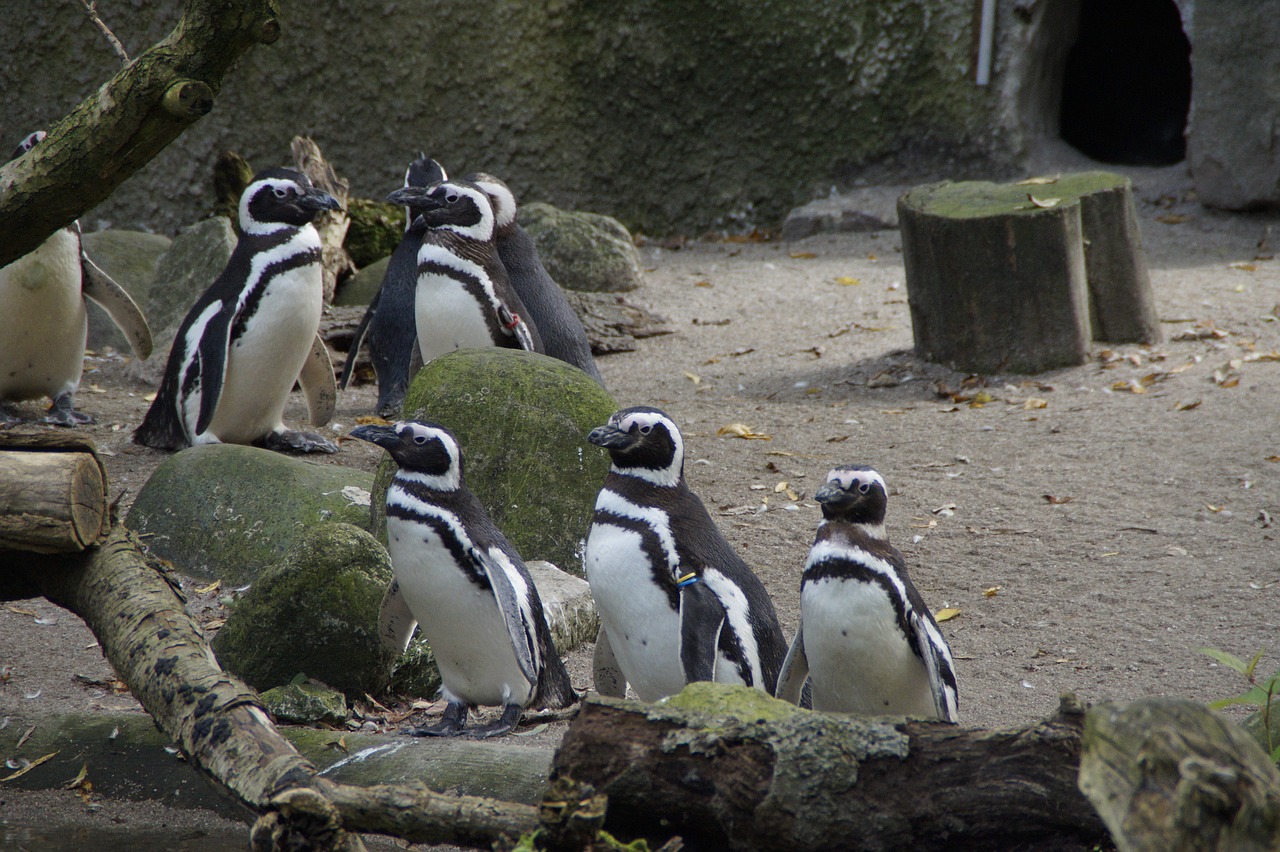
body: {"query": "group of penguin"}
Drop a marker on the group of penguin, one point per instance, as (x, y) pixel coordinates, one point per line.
(676, 603)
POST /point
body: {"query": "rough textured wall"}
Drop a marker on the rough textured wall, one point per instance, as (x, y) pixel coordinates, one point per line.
(671, 116)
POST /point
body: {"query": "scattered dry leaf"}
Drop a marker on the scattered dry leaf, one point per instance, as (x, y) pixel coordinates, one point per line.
(20, 611)
(992, 591)
(1244, 265)
(980, 399)
(693, 377)
(1043, 202)
(847, 281)
(883, 379)
(1172, 218)
(1214, 509)
(1035, 402)
(212, 587)
(1272, 459)
(1131, 387)
(1057, 501)
(1036, 181)
(741, 430)
(946, 614)
(706, 284)
(1186, 406)
(946, 510)
(802, 255)
(30, 766)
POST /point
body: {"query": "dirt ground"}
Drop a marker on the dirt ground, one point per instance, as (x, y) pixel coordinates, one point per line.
(1093, 526)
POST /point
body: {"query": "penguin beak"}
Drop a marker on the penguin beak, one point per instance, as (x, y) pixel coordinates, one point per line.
(417, 197)
(383, 436)
(831, 494)
(318, 199)
(610, 437)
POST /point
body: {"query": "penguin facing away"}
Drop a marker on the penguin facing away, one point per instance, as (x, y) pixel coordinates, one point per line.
(463, 299)
(867, 642)
(42, 341)
(676, 603)
(465, 586)
(561, 330)
(253, 332)
(390, 322)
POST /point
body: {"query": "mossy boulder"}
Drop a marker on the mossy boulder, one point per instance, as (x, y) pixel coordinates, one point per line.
(522, 421)
(375, 230)
(583, 251)
(223, 511)
(130, 258)
(314, 612)
(360, 288)
(306, 703)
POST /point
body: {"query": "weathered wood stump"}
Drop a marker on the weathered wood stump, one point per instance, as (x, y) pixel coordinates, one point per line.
(53, 492)
(1022, 277)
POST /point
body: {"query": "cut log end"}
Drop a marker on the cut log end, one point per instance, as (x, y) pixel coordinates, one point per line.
(51, 502)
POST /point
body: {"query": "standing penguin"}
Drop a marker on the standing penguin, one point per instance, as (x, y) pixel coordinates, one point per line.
(676, 602)
(42, 341)
(464, 299)
(561, 330)
(390, 319)
(465, 585)
(253, 333)
(866, 639)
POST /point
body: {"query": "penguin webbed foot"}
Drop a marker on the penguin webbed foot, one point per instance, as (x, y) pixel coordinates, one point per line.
(453, 723)
(287, 440)
(511, 714)
(64, 413)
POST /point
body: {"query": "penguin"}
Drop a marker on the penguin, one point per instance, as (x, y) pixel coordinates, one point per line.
(389, 321)
(561, 330)
(676, 603)
(42, 300)
(867, 642)
(465, 585)
(463, 298)
(253, 333)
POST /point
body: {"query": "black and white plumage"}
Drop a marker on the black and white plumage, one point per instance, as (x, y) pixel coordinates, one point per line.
(42, 303)
(465, 585)
(390, 322)
(676, 603)
(253, 333)
(464, 299)
(562, 333)
(866, 641)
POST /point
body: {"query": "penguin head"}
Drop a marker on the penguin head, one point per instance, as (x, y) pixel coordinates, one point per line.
(280, 198)
(644, 442)
(31, 140)
(451, 205)
(854, 493)
(500, 196)
(422, 172)
(426, 452)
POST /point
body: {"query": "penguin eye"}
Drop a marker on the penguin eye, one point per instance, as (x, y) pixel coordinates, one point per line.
(419, 439)
(645, 430)
(864, 487)
(451, 198)
(279, 192)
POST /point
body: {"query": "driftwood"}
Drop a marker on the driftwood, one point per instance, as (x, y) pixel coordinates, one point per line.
(128, 120)
(773, 777)
(53, 492)
(332, 225)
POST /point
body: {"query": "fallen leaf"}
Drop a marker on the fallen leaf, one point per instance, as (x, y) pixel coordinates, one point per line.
(1172, 218)
(1057, 501)
(1036, 181)
(946, 510)
(1035, 402)
(980, 399)
(802, 255)
(1214, 509)
(19, 611)
(706, 284)
(340, 744)
(30, 766)
(847, 281)
(991, 592)
(1186, 406)
(741, 430)
(212, 587)
(840, 439)
(946, 614)
(1244, 265)
(693, 377)
(1131, 387)
(1272, 459)
(535, 730)
(151, 397)
(1043, 202)
(215, 623)
(883, 379)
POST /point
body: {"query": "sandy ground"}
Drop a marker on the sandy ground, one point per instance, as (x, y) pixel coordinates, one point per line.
(1091, 537)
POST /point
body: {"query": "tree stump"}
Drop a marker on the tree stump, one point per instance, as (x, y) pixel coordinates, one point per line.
(53, 492)
(1022, 277)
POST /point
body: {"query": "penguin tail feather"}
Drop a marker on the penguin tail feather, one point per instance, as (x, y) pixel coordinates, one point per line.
(555, 690)
(160, 432)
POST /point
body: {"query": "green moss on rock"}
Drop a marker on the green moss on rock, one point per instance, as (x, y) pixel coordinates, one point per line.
(306, 703)
(583, 251)
(975, 199)
(375, 230)
(315, 612)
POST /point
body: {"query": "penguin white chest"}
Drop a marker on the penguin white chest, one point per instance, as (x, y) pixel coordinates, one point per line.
(264, 361)
(643, 629)
(449, 312)
(859, 659)
(44, 321)
(459, 619)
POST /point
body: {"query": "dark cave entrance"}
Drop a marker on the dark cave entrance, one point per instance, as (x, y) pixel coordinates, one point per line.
(1127, 83)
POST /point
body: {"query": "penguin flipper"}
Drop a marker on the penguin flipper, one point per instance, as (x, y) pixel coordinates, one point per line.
(518, 327)
(119, 305)
(210, 360)
(702, 617)
(357, 340)
(795, 670)
(317, 383)
(395, 620)
(518, 620)
(937, 664)
(606, 674)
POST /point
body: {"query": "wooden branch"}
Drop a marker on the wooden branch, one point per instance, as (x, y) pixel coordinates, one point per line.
(127, 121)
(91, 9)
(1173, 776)
(332, 225)
(53, 492)
(763, 776)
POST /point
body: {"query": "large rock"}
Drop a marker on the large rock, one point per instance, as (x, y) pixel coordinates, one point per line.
(223, 511)
(195, 258)
(522, 420)
(315, 612)
(130, 258)
(583, 251)
(360, 288)
(375, 230)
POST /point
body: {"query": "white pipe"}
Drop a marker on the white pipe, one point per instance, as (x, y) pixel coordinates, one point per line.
(986, 39)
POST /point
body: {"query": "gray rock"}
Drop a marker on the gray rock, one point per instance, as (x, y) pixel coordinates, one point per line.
(583, 251)
(837, 214)
(361, 287)
(130, 258)
(1232, 136)
(222, 511)
(195, 258)
(306, 704)
(522, 420)
(314, 612)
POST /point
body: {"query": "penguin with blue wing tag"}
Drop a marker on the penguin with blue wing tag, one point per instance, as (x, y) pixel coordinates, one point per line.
(463, 299)
(390, 322)
(253, 333)
(676, 603)
(867, 642)
(42, 302)
(467, 588)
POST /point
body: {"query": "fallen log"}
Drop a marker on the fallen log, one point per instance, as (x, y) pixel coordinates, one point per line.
(53, 492)
(730, 768)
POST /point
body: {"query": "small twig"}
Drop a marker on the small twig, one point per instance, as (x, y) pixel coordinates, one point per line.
(91, 9)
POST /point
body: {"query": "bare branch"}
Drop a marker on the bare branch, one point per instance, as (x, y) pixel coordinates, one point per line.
(91, 9)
